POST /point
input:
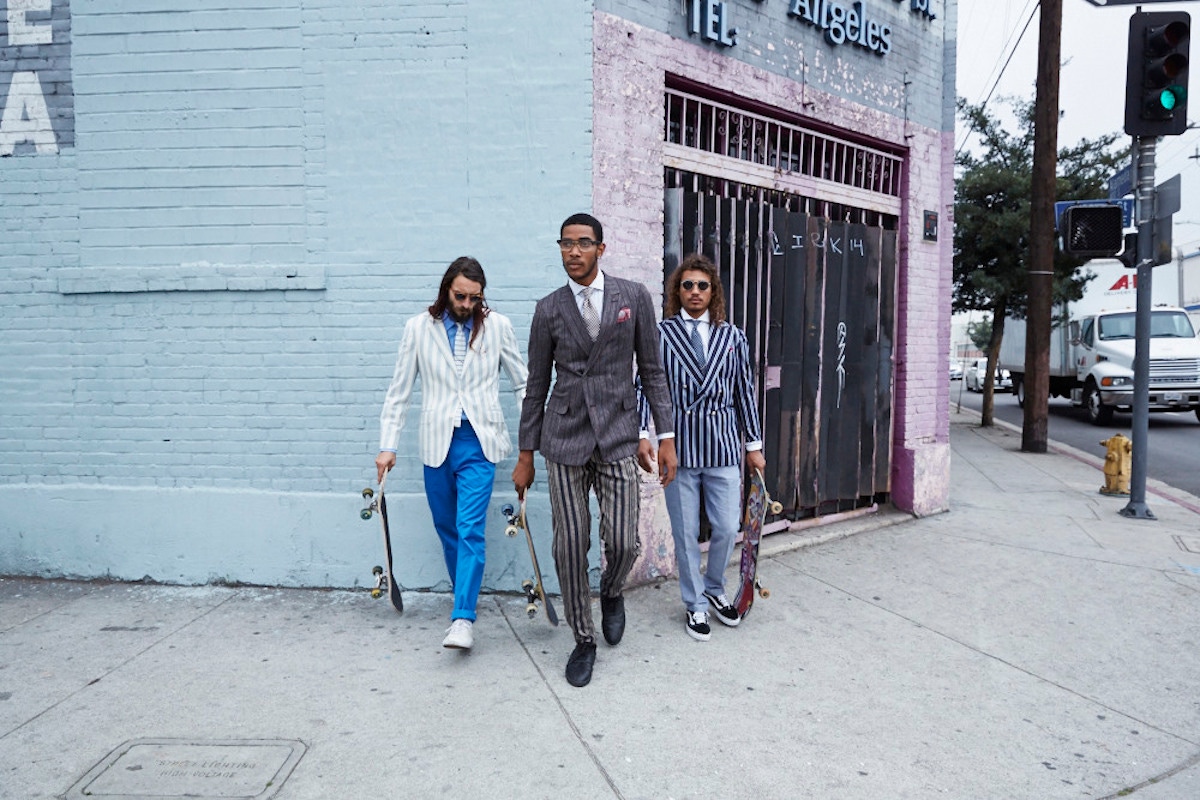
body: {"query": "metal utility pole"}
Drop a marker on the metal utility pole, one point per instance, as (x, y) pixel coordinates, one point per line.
(1034, 432)
(1144, 147)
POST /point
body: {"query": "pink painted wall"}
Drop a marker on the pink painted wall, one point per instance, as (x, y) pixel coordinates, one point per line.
(630, 67)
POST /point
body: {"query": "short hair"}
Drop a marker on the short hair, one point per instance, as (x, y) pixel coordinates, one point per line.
(472, 270)
(700, 263)
(584, 219)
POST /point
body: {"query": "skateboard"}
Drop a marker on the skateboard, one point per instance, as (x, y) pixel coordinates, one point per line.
(384, 581)
(534, 590)
(757, 505)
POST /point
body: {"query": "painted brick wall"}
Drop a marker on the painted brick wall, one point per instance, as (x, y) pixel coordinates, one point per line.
(200, 306)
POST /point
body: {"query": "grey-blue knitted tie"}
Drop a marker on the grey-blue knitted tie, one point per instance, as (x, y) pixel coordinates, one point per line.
(591, 318)
(698, 343)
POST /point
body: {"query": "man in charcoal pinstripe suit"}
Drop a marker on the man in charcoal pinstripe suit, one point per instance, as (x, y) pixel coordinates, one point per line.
(457, 348)
(707, 361)
(590, 332)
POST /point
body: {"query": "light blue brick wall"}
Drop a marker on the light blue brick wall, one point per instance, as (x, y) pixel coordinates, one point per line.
(201, 298)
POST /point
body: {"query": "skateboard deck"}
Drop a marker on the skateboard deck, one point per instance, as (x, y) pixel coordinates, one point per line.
(757, 504)
(534, 590)
(385, 581)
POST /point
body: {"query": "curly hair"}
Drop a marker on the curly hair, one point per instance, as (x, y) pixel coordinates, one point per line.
(699, 263)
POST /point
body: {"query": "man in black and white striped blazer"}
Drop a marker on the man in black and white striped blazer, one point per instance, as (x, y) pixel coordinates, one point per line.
(707, 361)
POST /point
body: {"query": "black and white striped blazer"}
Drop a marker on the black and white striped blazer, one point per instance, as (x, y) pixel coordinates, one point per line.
(715, 409)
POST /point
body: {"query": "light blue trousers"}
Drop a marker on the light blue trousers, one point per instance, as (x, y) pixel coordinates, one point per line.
(458, 492)
(722, 501)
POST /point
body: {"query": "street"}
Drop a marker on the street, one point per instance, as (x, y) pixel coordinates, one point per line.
(1174, 457)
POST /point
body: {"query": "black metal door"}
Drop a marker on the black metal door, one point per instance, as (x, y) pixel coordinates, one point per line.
(816, 299)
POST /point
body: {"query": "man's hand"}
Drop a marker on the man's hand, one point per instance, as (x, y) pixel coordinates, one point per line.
(645, 455)
(523, 472)
(755, 460)
(667, 461)
(384, 463)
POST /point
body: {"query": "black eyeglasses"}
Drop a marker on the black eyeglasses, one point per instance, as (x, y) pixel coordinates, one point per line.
(584, 245)
(475, 299)
(701, 285)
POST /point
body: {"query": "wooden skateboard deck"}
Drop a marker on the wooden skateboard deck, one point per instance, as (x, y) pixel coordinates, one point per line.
(757, 504)
(534, 590)
(385, 581)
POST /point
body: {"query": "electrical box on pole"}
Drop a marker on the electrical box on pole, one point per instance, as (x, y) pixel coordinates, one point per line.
(1157, 74)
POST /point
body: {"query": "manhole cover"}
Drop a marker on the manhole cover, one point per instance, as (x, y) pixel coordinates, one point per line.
(164, 769)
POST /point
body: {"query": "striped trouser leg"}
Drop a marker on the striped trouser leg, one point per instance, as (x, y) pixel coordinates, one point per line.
(569, 487)
(617, 487)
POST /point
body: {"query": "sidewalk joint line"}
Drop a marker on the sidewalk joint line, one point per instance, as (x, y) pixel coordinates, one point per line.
(558, 701)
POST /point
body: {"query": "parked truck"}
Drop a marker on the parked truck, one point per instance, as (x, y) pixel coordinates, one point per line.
(1092, 345)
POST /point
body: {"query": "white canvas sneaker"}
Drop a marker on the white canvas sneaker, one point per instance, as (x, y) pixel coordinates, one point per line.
(458, 635)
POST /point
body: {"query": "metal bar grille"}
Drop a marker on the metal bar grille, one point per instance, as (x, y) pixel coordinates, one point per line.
(721, 129)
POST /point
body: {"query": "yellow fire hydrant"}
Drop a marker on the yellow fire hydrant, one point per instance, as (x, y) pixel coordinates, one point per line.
(1116, 464)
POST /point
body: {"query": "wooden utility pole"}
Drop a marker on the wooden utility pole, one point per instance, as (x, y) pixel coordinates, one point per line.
(1034, 433)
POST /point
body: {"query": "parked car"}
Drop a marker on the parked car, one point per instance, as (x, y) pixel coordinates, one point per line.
(976, 376)
(956, 371)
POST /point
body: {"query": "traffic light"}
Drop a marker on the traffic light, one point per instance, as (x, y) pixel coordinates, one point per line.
(1157, 73)
(1093, 231)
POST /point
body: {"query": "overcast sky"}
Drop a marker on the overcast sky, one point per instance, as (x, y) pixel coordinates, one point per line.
(1092, 91)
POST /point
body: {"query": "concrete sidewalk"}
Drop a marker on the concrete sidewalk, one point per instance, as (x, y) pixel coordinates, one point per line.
(1030, 643)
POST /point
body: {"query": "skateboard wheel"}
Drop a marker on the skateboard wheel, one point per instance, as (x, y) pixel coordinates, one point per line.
(764, 592)
(776, 507)
(531, 610)
(511, 530)
(365, 513)
(376, 570)
(377, 593)
(368, 492)
(507, 509)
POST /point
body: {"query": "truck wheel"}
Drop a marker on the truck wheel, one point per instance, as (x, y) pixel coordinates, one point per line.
(1097, 412)
(1019, 390)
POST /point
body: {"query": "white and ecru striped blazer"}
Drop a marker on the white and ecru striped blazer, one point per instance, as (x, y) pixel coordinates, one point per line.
(425, 353)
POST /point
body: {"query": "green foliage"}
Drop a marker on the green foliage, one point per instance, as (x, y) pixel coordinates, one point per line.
(980, 334)
(992, 210)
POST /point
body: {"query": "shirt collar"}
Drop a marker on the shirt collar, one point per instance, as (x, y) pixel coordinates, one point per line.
(449, 322)
(597, 284)
(704, 318)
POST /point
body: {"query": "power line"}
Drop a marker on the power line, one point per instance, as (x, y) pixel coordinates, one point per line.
(996, 83)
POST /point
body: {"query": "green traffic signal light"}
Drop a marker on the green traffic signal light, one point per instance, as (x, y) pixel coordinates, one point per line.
(1157, 73)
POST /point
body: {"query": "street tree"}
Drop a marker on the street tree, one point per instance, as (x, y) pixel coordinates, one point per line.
(992, 200)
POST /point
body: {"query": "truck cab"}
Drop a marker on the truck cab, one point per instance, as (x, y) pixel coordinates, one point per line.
(1103, 349)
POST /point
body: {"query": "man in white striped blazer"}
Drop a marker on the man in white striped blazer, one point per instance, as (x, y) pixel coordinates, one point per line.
(707, 361)
(457, 348)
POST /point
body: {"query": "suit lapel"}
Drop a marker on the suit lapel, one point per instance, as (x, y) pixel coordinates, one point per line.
(718, 352)
(676, 333)
(440, 341)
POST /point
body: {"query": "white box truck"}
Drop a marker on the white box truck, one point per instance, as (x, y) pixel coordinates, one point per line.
(1091, 356)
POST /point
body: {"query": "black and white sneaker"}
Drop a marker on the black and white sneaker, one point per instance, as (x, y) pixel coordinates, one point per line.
(697, 626)
(725, 612)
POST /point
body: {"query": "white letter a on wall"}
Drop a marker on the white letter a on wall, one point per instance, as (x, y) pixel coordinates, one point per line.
(26, 118)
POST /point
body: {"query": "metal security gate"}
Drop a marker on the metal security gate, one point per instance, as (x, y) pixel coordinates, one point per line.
(816, 299)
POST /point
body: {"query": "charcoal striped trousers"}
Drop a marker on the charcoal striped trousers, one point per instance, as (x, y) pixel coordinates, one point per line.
(616, 487)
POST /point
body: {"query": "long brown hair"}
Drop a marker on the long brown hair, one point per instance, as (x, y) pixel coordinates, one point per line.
(472, 270)
(699, 263)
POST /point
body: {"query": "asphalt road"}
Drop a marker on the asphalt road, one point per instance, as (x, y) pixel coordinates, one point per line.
(1174, 447)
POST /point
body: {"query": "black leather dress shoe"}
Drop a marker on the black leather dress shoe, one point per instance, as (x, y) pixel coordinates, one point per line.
(579, 665)
(612, 618)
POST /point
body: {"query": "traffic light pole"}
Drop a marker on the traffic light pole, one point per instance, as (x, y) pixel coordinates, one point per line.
(1144, 151)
